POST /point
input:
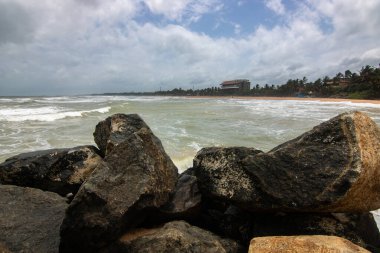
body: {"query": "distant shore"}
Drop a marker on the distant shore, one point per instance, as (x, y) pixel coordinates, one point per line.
(292, 98)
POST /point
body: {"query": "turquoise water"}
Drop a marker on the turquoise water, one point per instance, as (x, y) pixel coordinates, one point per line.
(184, 125)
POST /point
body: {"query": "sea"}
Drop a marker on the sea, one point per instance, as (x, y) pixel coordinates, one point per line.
(183, 124)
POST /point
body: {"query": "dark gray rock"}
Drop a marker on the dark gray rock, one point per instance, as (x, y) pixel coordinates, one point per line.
(173, 237)
(233, 222)
(30, 219)
(335, 167)
(220, 174)
(115, 129)
(58, 170)
(186, 199)
(136, 178)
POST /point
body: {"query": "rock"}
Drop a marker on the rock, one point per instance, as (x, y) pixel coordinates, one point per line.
(4, 249)
(315, 243)
(242, 225)
(186, 199)
(116, 129)
(136, 178)
(30, 219)
(335, 167)
(176, 236)
(220, 173)
(58, 170)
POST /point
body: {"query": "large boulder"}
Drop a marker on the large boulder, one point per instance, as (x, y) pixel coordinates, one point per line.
(58, 170)
(30, 219)
(173, 237)
(335, 167)
(136, 178)
(303, 244)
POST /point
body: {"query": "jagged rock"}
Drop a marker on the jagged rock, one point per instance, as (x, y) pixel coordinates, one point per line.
(136, 178)
(30, 219)
(335, 167)
(116, 129)
(58, 170)
(186, 199)
(176, 236)
(315, 243)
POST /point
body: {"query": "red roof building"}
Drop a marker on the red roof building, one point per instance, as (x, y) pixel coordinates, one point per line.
(237, 85)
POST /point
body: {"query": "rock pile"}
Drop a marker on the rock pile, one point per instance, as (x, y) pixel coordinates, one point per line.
(127, 196)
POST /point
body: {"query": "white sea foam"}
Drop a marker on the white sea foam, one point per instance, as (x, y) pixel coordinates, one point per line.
(376, 215)
(48, 113)
(196, 146)
(183, 163)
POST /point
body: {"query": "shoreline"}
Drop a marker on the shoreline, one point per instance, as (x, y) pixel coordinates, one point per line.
(369, 101)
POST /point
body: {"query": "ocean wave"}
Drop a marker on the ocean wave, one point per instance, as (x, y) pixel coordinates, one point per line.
(15, 100)
(183, 163)
(48, 113)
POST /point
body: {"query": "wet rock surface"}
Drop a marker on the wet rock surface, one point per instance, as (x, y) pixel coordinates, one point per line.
(30, 219)
(136, 178)
(58, 170)
(332, 168)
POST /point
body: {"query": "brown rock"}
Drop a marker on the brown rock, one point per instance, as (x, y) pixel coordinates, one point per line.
(335, 167)
(58, 170)
(176, 236)
(4, 249)
(136, 178)
(30, 219)
(303, 244)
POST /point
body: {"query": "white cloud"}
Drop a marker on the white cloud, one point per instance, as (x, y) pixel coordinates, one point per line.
(183, 9)
(276, 6)
(87, 46)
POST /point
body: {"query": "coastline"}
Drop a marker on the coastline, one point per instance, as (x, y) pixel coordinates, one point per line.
(291, 98)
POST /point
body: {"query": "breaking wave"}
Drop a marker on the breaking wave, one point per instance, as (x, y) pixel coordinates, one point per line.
(48, 113)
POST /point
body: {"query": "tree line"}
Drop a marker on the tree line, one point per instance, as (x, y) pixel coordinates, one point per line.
(362, 85)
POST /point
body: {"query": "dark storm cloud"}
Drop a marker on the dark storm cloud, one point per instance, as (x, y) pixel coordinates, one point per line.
(16, 24)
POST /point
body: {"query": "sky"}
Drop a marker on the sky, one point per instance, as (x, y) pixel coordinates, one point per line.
(68, 47)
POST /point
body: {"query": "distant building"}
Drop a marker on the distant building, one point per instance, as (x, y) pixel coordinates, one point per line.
(239, 85)
(341, 82)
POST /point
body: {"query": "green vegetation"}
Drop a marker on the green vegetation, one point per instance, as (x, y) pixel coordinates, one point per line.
(362, 85)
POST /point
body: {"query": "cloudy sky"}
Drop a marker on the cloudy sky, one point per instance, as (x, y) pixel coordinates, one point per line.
(59, 47)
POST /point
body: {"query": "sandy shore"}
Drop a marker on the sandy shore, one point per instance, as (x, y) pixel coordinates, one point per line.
(292, 98)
